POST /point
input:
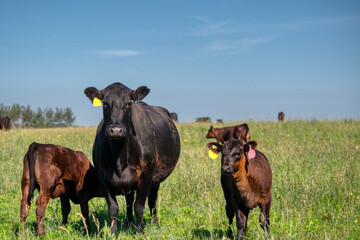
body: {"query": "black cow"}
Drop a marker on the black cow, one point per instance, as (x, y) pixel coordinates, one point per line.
(136, 147)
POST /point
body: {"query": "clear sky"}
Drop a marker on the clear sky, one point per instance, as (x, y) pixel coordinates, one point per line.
(230, 60)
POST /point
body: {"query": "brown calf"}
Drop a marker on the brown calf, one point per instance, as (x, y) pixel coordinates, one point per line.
(57, 172)
(246, 180)
(5, 123)
(241, 132)
(203, 119)
(281, 116)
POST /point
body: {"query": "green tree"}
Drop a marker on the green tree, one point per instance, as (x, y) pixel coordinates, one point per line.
(27, 115)
(4, 110)
(49, 117)
(38, 120)
(59, 117)
(15, 113)
(69, 118)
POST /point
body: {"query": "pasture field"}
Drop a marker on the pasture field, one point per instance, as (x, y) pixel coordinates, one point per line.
(315, 194)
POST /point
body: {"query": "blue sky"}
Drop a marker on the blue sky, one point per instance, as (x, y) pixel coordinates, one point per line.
(231, 60)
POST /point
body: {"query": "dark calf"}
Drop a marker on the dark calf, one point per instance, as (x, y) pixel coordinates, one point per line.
(281, 116)
(5, 123)
(246, 180)
(174, 116)
(57, 172)
(241, 132)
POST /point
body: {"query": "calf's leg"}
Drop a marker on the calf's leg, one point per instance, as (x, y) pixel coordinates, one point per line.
(264, 217)
(65, 208)
(41, 204)
(25, 207)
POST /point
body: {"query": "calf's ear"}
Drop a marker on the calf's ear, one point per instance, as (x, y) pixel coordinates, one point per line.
(92, 92)
(253, 145)
(140, 93)
(214, 147)
(249, 149)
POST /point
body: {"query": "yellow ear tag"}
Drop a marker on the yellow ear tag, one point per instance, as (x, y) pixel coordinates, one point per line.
(96, 102)
(212, 155)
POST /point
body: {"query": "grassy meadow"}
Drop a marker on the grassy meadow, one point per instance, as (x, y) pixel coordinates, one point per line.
(315, 194)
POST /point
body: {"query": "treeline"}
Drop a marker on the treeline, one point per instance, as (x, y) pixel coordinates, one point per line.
(22, 116)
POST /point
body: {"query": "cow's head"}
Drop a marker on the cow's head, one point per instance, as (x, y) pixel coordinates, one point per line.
(233, 151)
(211, 133)
(117, 101)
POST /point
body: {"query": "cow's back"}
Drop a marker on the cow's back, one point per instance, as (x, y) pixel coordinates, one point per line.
(157, 132)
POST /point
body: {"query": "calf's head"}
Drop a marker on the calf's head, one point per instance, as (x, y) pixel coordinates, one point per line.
(117, 101)
(233, 151)
(211, 133)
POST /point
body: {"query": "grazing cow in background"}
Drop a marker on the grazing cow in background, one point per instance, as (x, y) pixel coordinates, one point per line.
(246, 180)
(203, 119)
(57, 172)
(136, 147)
(219, 121)
(5, 123)
(174, 116)
(241, 132)
(281, 116)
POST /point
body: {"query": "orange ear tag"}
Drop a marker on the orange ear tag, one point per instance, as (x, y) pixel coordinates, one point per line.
(96, 102)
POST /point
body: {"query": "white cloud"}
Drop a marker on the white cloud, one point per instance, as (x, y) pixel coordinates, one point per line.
(118, 53)
(234, 45)
(211, 28)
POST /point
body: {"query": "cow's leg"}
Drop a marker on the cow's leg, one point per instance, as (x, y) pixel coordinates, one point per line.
(152, 202)
(65, 208)
(41, 204)
(143, 191)
(25, 207)
(113, 207)
(264, 217)
(129, 208)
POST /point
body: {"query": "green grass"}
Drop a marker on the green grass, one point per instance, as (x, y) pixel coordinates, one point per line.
(315, 194)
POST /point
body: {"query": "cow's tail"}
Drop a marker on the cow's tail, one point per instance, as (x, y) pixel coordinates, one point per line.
(246, 132)
(31, 156)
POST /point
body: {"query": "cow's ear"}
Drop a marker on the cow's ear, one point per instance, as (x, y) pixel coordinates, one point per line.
(140, 93)
(214, 147)
(92, 92)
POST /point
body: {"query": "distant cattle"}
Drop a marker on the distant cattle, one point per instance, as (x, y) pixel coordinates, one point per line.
(281, 116)
(219, 121)
(174, 116)
(241, 132)
(57, 172)
(136, 147)
(246, 180)
(203, 119)
(5, 123)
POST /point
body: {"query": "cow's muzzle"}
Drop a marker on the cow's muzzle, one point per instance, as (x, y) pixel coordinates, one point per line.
(116, 131)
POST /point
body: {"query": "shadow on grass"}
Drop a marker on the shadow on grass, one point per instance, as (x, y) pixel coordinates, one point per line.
(97, 227)
(206, 234)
